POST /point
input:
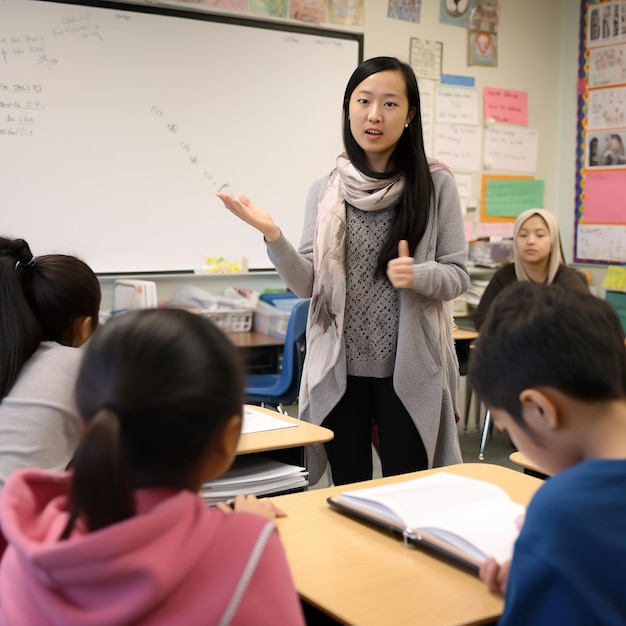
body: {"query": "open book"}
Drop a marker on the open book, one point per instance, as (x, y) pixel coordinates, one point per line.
(465, 519)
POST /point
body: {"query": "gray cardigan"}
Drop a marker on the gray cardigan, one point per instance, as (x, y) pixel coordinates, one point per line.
(426, 368)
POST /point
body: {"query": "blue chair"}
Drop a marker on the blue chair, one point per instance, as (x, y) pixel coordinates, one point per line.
(283, 387)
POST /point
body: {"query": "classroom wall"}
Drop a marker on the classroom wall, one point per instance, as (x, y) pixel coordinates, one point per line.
(538, 53)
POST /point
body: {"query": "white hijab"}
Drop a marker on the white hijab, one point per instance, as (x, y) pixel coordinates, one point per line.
(556, 250)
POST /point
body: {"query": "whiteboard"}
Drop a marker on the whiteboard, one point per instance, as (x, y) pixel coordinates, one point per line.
(119, 123)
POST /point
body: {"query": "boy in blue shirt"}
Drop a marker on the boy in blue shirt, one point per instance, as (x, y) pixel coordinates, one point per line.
(551, 366)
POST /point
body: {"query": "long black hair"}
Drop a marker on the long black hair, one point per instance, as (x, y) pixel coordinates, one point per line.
(154, 388)
(40, 299)
(408, 159)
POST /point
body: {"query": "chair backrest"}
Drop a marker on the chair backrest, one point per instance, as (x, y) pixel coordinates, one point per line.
(295, 346)
(283, 387)
(271, 298)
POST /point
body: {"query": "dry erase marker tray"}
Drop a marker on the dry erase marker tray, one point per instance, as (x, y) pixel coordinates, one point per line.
(231, 320)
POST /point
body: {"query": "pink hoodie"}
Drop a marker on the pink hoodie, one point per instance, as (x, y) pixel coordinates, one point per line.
(176, 562)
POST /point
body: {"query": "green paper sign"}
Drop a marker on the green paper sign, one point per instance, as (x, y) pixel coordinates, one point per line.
(510, 197)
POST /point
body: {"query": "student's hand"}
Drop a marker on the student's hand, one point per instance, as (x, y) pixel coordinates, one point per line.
(251, 214)
(252, 504)
(400, 270)
(494, 575)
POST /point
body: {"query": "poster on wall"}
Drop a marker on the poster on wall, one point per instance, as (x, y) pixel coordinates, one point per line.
(600, 224)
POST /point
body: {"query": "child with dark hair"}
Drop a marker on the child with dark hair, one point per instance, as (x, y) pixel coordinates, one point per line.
(550, 364)
(49, 306)
(124, 538)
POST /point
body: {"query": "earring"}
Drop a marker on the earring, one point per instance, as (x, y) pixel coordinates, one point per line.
(406, 125)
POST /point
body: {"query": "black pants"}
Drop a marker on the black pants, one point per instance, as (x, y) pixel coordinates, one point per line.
(369, 401)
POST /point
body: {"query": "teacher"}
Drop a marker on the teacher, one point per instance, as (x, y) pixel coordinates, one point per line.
(382, 255)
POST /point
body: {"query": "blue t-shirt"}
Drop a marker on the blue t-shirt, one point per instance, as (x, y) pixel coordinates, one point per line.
(569, 562)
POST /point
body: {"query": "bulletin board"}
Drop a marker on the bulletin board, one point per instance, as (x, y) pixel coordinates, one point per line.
(600, 219)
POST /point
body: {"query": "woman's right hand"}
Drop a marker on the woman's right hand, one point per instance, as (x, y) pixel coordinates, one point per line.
(251, 214)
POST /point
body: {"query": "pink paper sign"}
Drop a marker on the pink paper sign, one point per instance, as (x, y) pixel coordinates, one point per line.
(506, 105)
(604, 198)
(492, 229)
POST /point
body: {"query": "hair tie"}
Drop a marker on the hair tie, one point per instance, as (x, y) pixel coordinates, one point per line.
(28, 265)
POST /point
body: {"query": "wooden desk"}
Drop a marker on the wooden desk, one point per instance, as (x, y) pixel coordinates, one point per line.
(528, 466)
(303, 434)
(262, 352)
(362, 576)
(462, 334)
(253, 339)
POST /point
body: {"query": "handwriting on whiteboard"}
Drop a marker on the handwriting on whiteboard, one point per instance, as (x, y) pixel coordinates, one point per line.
(191, 156)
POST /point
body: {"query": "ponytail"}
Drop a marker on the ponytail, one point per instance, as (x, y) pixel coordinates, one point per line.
(20, 331)
(101, 492)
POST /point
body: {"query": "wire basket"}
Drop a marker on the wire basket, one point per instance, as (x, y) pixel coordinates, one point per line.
(231, 320)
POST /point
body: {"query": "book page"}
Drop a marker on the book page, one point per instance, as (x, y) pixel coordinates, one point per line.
(477, 511)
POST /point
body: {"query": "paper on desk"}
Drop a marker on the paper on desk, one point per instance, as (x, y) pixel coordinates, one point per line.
(257, 421)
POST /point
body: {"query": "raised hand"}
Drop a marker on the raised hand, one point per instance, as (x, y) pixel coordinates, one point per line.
(400, 270)
(251, 214)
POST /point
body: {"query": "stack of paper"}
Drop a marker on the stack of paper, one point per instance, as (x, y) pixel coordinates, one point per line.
(255, 474)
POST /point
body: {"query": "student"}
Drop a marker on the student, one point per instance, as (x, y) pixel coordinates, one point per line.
(382, 255)
(550, 364)
(124, 538)
(49, 306)
(537, 257)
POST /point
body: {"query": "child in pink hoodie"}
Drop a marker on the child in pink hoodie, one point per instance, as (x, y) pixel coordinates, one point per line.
(124, 538)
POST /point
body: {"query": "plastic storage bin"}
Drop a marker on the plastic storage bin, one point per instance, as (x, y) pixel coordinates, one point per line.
(270, 320)
(231, 321)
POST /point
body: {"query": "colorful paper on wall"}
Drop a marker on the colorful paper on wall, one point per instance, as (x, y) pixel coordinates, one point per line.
(491, 229)
(268, 8)
(509, 198)
(347, 13)
(486, 178)
(605, 197)
(407, 10)
(313, 11)
(506, 105)
(615, 278)
(455, 12)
